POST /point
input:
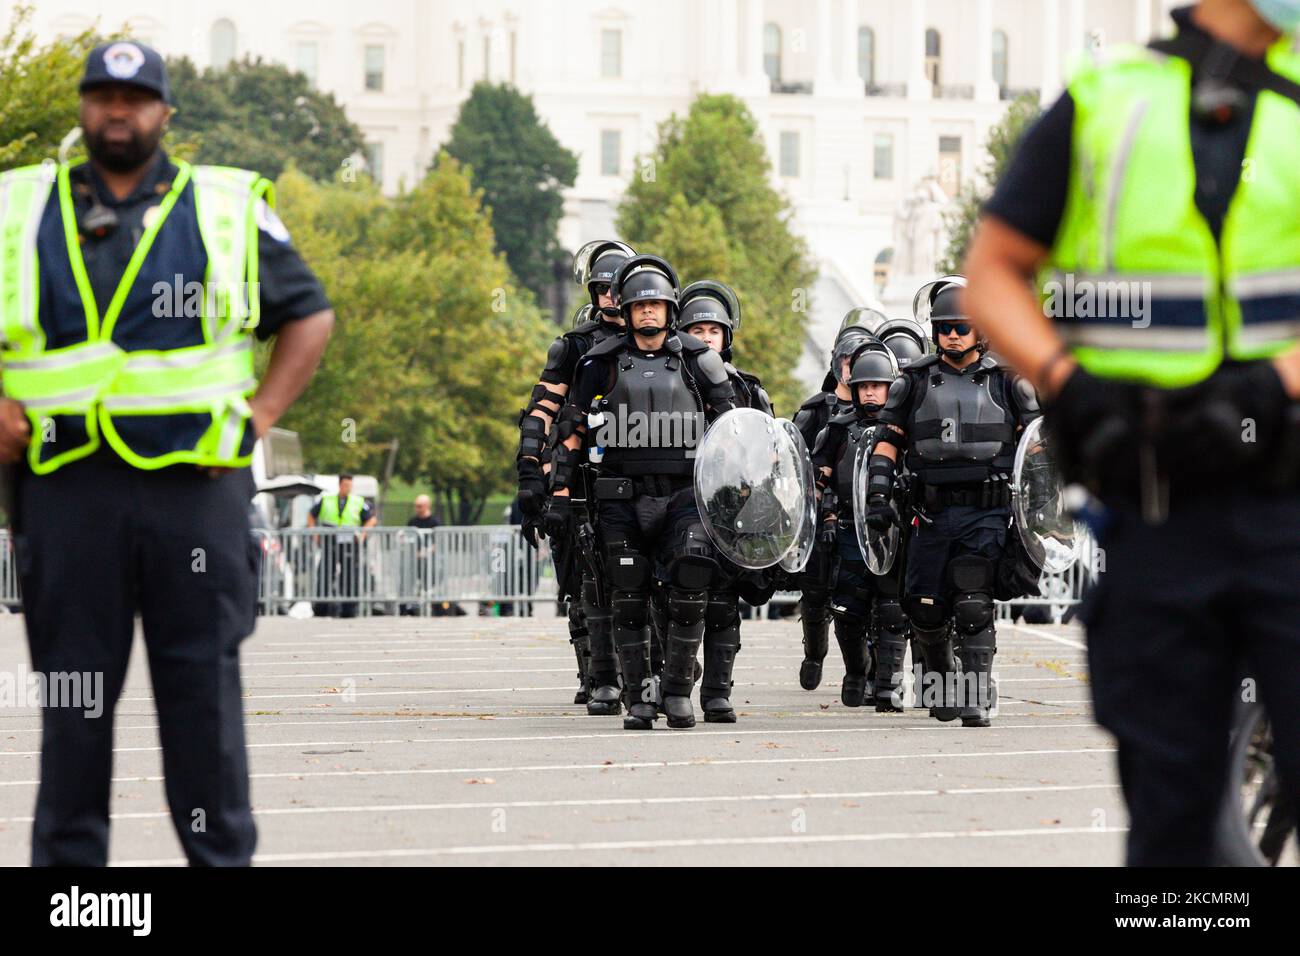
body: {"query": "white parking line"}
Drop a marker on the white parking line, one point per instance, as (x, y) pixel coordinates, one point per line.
(620, 801)
(652, 845)
(627, 765)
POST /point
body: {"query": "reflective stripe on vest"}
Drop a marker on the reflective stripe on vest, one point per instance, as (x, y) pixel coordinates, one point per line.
(97, 378)
(352, 510)
(1135, 280)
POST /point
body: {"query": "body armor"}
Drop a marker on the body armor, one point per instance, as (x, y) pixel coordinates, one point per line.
(653, 416)
(962, 428)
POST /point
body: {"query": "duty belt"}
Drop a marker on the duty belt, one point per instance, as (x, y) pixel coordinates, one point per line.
(993, 493)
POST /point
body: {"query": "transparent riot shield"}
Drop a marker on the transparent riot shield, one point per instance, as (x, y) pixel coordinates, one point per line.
(796, 559)
(1048, 531)
(879, 548)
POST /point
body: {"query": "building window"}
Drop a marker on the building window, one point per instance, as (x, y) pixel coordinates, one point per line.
(950, 164)
(1000, 58)
(882, 156)
(772, 52)
(790, 154)
(307, 56)
(867, 55)
(374, 67)
(933, 53)
(223, 44)
(611, 54)
(460, 64)
(375, 161)
(611, 150)
(487, 57)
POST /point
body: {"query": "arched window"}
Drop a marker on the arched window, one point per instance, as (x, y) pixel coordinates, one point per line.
(1000, 58)
(772, 52)
(880, 269)
(223, 44)
(933, 52)
(867, 55)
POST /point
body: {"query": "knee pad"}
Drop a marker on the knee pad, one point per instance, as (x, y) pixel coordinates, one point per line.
(889, 615)
(630, 610)
(577, 623)
(626, 568)
(589, 596)
(927, 612)
(722, 610)
(686, 607)
(970, 572)
(972, 611)
(693, 564)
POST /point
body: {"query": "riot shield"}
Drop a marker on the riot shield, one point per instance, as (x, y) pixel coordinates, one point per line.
(1047, 530)
(796, 559)
(879, 548)
(751, 488)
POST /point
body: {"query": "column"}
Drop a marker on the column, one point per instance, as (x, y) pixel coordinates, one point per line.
(1078, 25)
(1142, 26)
(918, 84)
(986, 89)
(1050, 83)
(823, 68)
(848, 28)
(729, 34)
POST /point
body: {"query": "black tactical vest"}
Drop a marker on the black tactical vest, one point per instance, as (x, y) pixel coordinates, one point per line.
(653, 416)
(856, 434)
(962, 427)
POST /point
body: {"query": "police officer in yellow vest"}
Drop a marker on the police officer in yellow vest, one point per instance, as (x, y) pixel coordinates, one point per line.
(131, 409)
(1158, 205)
(340, 567)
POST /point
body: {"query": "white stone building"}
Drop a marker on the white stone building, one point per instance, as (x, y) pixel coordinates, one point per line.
(859, 101)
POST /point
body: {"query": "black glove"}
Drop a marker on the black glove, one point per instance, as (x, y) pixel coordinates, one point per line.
(532, 488)
(1236, 418)
(880, 513)
(559, 515)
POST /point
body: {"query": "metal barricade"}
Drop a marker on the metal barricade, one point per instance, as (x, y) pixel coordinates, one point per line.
(9, 595)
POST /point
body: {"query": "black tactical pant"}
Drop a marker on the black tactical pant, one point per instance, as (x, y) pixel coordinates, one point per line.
(101, 541)
(1178, 614)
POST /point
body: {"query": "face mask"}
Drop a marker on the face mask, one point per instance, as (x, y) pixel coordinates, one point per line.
(1282, 14)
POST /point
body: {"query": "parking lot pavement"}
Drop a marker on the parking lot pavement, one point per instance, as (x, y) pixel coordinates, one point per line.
(455, 740)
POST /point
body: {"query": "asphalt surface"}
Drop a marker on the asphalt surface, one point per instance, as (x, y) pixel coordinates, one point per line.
(454, 741)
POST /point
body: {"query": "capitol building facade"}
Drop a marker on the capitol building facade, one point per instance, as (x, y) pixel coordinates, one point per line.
(874, 112)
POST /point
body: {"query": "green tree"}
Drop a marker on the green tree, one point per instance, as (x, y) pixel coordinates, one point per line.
(433, 337)
(38, 90)
(704, 201)
(522, 169)
(261, 116)
(1003, 139)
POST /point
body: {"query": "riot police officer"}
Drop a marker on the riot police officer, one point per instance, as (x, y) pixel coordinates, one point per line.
(955, 416)
(857, 593)
(817, 577)
(710, 311)
(1176, 403)
(589, 623)
(650, 393)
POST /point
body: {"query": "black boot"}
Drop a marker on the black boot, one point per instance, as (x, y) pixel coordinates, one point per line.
(602, 663)
(658, 628)
(851, 634)
(720, 648)
(632, 638)
(816, 623)
(937, 677)
(581, 651)
(889, 633)
(682, 645)
(979, 692)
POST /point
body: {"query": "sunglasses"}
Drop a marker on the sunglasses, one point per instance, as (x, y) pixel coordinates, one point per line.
(948, 328)
(601, 288)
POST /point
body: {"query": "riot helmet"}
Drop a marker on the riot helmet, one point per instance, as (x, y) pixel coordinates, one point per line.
(846, 346)
(710, 301)
(906, 339)
(871, 364)
(864, 318)
(939, 302)
(582, 314)
(646, 278)
(594, 266)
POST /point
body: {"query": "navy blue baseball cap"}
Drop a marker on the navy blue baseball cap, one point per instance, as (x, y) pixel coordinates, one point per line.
(125, 61)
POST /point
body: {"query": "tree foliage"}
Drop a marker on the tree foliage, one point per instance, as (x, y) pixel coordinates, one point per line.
(703, 200)
(433, 335)
(1003, 139)
(261, 116)
(522, 169)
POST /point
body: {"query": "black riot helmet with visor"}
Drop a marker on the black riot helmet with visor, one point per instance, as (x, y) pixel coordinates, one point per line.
(863, 318)
(646, 278)
(594, 266)
(906, 339)
(939, 303)
(847, 345)
(582, 314)
(872, 363)
(710, 301)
